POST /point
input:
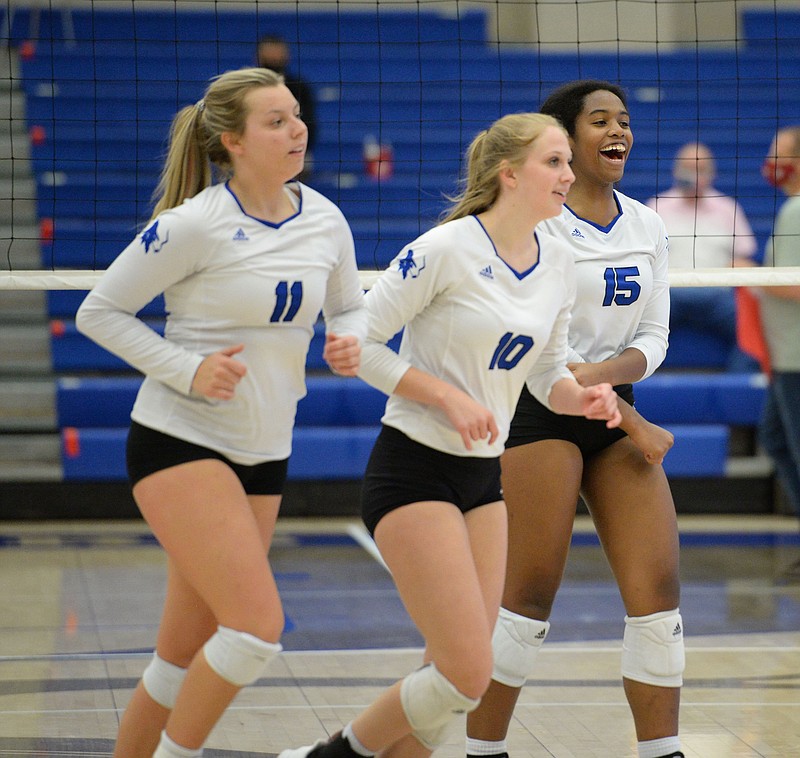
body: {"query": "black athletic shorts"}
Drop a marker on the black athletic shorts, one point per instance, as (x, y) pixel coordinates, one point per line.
(149, 451)
(401, 471)
(533, 422)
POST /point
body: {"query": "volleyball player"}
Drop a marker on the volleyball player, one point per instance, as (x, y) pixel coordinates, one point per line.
(485, 304)
(245, 267)
(618, 334)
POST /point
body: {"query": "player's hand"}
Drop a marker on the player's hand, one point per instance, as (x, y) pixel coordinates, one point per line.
(587, 374)
(342, 354)
(470, 419)
(219, 373)
(652, 440)
(599, 402)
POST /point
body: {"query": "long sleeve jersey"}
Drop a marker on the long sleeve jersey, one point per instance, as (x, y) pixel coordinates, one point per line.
(228, 278)
(622, 296)
(472, 321)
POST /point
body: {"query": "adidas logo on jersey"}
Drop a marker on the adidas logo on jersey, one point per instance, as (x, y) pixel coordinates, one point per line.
(577, 233)
(487, 272)
(240, 236)
(541, 634)
(677, 631)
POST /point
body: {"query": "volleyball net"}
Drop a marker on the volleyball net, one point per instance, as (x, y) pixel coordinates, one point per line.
(399, 91)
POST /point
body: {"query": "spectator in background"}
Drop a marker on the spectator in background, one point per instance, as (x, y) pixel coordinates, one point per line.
(707, 229)
(780, 317)
(273, 53)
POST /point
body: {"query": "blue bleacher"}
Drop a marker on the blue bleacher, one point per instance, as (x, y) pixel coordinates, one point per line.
(342, 415)
(103, 102)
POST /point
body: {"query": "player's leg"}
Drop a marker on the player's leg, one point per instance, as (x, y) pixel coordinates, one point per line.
(487, 528)
(541, 482)
(632, 508)
(779, 432)
(205, 522)
(186, 624)
(427, 547)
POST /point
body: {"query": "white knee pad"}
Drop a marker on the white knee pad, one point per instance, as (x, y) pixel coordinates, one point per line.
(652, 649)
(162, 680)
(515, 645)
(435, 738)
(430, 700)
(239, 657)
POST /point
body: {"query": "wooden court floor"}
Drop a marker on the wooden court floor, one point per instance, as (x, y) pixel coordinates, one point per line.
(79, 605)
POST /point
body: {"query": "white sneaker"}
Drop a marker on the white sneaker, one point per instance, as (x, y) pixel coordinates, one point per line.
(301, 752)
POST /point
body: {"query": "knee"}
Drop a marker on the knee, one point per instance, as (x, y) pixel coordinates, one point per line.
(534, 601)
(162, 680)
(469, 672)
(515, 645)
(653, 650)
(431, 703)
(666, 589)
(238, 657)
(430, 699)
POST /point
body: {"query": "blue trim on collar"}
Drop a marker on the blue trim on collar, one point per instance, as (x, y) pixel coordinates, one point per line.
(518, 274)
(261, 220)
(604, 229)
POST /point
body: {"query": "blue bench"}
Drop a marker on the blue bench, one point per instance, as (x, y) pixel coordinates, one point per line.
(702, 398)
(99, 454)
(336, 426)
(341, 416)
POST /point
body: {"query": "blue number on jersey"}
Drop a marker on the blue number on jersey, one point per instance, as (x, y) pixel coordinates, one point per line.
(621, 288)
(509, 351)
(284, 296)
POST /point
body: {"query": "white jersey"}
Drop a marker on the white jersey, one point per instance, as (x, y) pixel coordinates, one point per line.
(229, 278)
(472, 321)
(622, 283)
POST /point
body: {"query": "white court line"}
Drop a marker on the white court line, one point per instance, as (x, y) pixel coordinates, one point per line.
(555, 648)
(363, 538)
(350, 706)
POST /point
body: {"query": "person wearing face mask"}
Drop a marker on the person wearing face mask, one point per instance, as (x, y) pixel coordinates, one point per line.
(707, 229)
(273, 53)
(780, 320)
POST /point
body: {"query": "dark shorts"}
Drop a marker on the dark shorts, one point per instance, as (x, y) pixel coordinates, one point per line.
(533, 422)
(401, 471)
(149, 451)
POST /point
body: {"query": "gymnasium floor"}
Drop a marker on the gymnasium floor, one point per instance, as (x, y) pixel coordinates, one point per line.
(80, 603)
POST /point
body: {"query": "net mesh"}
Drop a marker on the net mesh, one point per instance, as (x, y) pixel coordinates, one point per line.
(399, 91)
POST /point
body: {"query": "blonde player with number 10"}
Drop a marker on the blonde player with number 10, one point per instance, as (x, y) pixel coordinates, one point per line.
(485, 304)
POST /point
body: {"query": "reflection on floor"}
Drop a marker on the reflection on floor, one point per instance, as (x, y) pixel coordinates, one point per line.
(80, 604)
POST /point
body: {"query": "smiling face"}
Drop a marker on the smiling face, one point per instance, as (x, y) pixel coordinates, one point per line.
(545, 176)
(602, 140)
(274, 138)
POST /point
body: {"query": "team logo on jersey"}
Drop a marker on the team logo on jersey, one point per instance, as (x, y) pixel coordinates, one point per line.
(240, 236)
(577, 233)
(152, 239)
(487, 272)
(408, 266)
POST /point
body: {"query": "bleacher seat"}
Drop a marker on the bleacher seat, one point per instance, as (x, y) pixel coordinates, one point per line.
(729, 399)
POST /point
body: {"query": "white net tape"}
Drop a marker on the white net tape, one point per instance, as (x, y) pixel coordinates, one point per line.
(700, 277)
